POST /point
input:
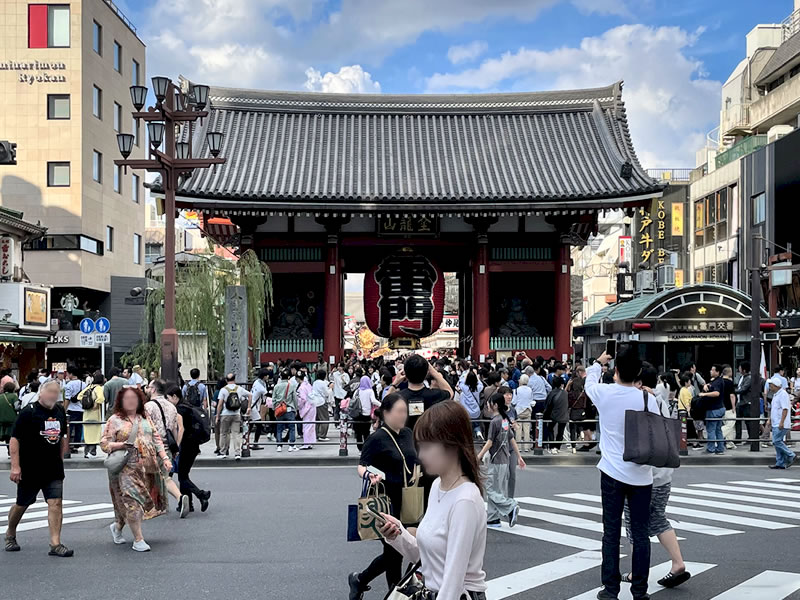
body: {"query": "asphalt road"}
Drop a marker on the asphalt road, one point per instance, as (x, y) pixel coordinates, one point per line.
(279, 533)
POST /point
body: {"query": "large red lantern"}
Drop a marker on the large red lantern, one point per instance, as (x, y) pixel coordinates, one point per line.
(404, 298)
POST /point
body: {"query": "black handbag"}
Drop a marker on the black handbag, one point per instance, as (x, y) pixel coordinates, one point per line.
(651, 438)
(170, 440)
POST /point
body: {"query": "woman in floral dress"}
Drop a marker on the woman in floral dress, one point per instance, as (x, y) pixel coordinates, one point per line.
(139, 491)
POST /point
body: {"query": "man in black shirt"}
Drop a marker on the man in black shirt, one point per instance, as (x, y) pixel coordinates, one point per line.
(715, 410)
(420, 398)
(38, 443)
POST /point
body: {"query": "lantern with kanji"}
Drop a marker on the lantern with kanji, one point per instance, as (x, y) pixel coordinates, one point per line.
(404, 298)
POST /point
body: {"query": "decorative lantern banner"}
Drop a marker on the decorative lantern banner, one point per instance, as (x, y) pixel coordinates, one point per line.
(404, 296)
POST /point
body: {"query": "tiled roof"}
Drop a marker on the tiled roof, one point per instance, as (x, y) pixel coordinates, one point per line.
(459, 149)
(786, 52)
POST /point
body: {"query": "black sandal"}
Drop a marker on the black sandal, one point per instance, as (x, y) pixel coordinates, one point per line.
(12, 545)
(671, 580)
(626, 578)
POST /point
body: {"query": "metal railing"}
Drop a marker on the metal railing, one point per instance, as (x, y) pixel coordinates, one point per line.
(680, 175)
(743, 148)
(523, 342)
(284, 346)
(121, 15)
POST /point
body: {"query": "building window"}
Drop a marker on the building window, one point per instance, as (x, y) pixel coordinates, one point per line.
(135, 131)
(721, 225)
(117, 179)
(134, 73)
(58, 106)
(58, 174)
(109, 238)
(97, 166)
(135, 188)
(151, 252)
(117, 118)
(117, 57)
(97, 102)
(97, 37)
(137, 249)
(759, 208)
(48, 26)
(67, 242)
(699, 222)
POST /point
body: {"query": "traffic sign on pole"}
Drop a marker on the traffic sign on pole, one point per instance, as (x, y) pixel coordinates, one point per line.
(87, 326)
(102, 325)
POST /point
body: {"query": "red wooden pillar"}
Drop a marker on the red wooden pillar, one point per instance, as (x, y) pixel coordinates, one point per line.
(480, 303)
(332, 336)
(563, 305)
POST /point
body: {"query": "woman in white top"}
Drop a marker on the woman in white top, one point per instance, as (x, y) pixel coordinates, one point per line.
(366, 396)
(451, 539)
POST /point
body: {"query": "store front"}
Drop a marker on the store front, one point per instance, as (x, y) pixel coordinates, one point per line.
(706, 324)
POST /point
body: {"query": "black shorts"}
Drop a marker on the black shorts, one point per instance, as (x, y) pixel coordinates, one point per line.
(27, 492)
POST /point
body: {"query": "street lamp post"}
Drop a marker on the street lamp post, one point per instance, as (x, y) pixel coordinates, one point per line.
(173, 107)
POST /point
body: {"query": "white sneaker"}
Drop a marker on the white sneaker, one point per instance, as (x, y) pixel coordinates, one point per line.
(237, 457)
(141, 546)
(292, 448)
(223, 456)
(184, 505)
(280, 448)
(555, 450)
(117, 534)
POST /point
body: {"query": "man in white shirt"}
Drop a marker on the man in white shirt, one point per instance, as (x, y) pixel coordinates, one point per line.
(340, 381)
(780, 415)
(621, 480)
(232, 402)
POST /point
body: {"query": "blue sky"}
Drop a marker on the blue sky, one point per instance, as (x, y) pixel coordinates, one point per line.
(672, 54)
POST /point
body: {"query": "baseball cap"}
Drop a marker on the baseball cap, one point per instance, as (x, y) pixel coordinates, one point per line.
(776, 381)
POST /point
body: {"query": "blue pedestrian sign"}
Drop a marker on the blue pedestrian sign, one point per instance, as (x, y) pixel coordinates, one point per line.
(87, 326)
(102, 325)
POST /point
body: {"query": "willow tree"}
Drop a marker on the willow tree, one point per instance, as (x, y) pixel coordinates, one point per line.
(200, 306)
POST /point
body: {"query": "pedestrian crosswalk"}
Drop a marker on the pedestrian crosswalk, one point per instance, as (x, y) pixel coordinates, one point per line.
(574, 520)
(74, 511)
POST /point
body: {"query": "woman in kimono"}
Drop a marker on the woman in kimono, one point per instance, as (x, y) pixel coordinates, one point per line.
(139, 491)
(308, 411)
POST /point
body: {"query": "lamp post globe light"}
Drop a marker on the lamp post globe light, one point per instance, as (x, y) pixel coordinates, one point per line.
(173, 159)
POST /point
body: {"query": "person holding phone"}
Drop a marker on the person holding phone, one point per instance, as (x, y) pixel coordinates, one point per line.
(451, 539)
(390, 450)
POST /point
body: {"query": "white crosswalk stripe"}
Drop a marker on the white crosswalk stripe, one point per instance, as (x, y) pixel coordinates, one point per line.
(552, 537)
(35, 516)
(738, 497)
(699, 514)
(753, 510)
(656, 573)
(746, 490)
(774, 585)
(785, 480)
(771, 486)
(528, 579)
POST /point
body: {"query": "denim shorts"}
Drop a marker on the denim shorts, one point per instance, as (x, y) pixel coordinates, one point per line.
(27, 492)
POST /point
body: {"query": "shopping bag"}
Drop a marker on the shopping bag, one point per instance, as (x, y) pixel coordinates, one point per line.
(410, 586)
(359, 517)
(651, 439)
(412, 508)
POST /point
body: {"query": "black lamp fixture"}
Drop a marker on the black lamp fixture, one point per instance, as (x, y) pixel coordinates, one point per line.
(180, 101)
(200, 93)
(160, 87)
(155, 130)
(214, 139)
(125, 143)
(182, 150)
(138, 96)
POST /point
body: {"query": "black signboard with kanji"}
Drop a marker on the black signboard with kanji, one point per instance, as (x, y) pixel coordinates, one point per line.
(408, 226)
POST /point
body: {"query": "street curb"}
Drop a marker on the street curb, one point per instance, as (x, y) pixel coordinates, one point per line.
(566, 460)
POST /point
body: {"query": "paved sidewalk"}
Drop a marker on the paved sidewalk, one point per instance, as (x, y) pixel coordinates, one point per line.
(324, 454)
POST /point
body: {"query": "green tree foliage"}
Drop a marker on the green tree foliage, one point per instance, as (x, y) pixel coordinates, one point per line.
(200, 306)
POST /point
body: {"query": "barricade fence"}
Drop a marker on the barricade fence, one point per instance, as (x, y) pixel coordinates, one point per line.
(536, 442)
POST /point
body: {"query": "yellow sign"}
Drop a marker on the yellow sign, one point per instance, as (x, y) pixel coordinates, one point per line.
(35, 307)
(677, 219)
(678, 277)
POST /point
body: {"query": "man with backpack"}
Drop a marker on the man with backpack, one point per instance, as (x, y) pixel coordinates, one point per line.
(234, 400)
(194, 392)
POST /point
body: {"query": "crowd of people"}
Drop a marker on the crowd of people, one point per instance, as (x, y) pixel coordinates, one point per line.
(464, 424)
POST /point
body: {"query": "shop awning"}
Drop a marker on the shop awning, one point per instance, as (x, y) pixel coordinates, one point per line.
(21, 337)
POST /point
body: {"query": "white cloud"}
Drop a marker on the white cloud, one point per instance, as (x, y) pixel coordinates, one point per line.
(670, 102)
(466, 52)
(349, 80)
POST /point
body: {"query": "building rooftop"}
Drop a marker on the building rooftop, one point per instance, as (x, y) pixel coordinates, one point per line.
(786, 56)
(502, 151)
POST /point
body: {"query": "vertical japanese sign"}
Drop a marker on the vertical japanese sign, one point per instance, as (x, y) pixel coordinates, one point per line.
(236, 332)
(626, 250)
(6, 257)
(677, 219)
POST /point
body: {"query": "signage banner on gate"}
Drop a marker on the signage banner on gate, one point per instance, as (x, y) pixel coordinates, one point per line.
(626, 250)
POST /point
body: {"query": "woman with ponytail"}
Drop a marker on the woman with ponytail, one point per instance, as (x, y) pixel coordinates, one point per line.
(499, 439)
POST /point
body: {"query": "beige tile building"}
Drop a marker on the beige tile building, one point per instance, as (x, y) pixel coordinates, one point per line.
(65, 73)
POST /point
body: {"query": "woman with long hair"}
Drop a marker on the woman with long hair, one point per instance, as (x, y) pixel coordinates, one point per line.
(92, 433)
(501, 436)
(451, 539)
(390, 450)
(189, 449)
(307, 410)
(139, 491)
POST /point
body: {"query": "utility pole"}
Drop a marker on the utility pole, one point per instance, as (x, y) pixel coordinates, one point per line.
(756, 384)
